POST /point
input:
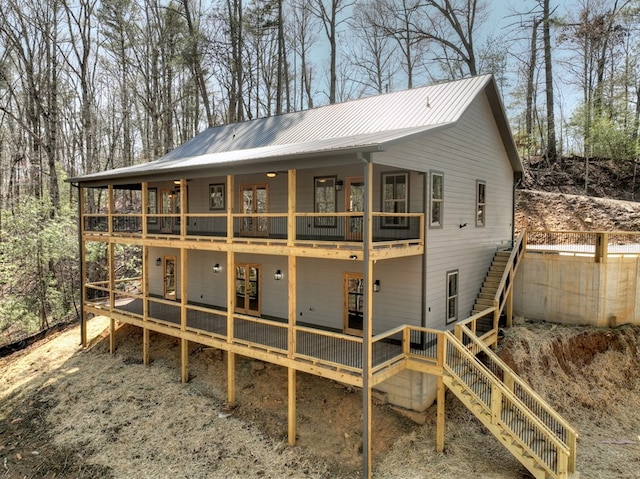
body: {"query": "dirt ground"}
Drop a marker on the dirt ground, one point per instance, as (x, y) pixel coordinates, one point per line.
(66, 412)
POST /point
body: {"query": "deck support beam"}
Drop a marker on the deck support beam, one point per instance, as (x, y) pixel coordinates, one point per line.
(292, 405)
(112, 335)
(184, 360)
(145, 346)
(510, 308)
(112, 286)
(184, 344)
(231, 378)
(145, 293)
(440, 415)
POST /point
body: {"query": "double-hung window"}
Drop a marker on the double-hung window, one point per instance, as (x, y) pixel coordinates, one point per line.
(452, 296)
(436, 215)
(395, 196)
(325, 200)
(480, 203)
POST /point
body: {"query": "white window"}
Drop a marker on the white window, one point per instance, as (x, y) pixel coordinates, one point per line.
(480, 203)
(452, 296)
(395, 194)
(437, 200)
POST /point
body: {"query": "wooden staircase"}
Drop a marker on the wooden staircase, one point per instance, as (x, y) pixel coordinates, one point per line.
(492, 281)
(522, 421)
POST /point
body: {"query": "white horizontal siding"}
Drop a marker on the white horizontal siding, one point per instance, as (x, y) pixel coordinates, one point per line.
(321, 292)
(470, 151)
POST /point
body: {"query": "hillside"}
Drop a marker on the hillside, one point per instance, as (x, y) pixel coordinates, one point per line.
(71, 413)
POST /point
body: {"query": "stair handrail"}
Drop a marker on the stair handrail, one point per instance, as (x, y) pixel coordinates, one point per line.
(506, 282)
(515, 400)
(510, 379)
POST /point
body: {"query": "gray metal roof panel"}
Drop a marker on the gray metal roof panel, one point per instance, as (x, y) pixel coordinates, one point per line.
(367, 123)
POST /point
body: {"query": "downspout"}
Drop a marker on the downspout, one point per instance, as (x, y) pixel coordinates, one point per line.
(425, 203)
(367, 322)
(83, 324)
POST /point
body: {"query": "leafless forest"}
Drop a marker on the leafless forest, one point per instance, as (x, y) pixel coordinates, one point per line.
(87, 85)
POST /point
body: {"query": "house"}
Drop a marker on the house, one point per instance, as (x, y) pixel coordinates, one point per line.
(344, 241)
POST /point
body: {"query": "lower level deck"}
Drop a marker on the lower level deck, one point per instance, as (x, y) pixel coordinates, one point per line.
(303, 347)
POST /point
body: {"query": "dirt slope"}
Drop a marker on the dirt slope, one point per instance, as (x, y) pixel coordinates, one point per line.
(537, 210)
(72, 413)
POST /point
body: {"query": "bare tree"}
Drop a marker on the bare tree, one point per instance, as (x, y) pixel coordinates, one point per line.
(551, 150)
(372, 56)
(303, 39)
(332, 15)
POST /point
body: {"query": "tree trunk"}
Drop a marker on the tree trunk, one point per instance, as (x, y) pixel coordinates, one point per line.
(551, 123)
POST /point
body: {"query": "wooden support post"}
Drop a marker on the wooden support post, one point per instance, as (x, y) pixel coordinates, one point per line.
(230, 197)
(112, 335)
(292, 263)
(184, 360)
(292, 406)
(145, 346)
(145, 305)
(183, 208)
(231, 294)
(112, 297)
(291, 278)
(291, 208)
(184, 344)
(440, 415)
(510, 307)
(441, 391)
(231, 378)
(145, 208)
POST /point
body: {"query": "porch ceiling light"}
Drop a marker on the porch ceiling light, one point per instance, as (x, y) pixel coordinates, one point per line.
(353, 257)
(158, 261)
(376, 286)
(216, 268)
(277, 275)
(176, 182)
(271, 174)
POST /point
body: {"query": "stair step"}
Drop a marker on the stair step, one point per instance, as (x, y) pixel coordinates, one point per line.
(484, 302)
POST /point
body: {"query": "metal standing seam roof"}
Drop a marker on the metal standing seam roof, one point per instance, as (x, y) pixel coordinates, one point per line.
(367, 124)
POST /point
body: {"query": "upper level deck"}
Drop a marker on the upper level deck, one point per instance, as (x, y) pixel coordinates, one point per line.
(320, 217)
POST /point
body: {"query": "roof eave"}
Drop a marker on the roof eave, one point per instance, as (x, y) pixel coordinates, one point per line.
(264, 162)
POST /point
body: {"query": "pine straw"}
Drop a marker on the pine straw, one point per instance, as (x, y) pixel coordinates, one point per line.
(143, 423)
(591, 376)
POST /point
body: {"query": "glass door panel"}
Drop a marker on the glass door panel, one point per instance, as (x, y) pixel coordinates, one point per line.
(355, 203)
(170, 277)
(240, 288)
(248, 289)
(254, 199)
(354, 303)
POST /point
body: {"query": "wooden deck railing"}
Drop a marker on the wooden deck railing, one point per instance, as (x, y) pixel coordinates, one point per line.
(307, 227)
(520, 403)
(598, 244)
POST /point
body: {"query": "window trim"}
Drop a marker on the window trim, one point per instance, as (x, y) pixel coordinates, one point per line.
(449, 296)
(404, 220)
(325, 222)
(433, 200)
(481, 206)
